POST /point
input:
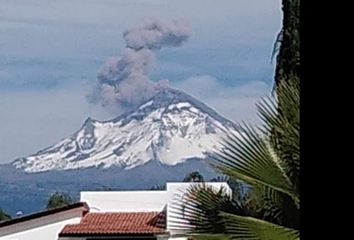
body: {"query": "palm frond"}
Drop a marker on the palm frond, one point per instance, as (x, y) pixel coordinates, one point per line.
(210, 214)
(267, 159)
(248, 228)
(210, 237)
(250, 158)
(199, 207)
(267, 155)
(281, 123)
(279, 208)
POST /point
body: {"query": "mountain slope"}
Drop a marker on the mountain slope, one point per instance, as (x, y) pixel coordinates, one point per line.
(169, 128)
(29, 192)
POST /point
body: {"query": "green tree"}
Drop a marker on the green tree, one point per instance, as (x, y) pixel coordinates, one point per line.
(288, 59)
(194, 177)
(58, 200)
(288, 71)
(4, 216)
(158, 187)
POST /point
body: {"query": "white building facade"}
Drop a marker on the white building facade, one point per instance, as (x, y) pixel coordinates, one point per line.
(109, 215)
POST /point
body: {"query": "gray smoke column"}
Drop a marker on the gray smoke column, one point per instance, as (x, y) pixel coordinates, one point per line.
(123, 82)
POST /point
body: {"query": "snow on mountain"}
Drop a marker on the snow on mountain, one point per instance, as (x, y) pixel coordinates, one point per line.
(169, 128)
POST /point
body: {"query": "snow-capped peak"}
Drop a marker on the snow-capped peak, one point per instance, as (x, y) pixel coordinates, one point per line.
(169, 128)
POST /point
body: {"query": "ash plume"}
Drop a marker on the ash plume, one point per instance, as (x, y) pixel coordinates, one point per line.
(123, 81)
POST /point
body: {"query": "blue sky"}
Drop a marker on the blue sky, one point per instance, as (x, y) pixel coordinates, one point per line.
(50, 52)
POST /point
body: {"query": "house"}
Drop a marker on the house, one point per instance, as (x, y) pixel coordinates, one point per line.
(43, 225)
(108, 215)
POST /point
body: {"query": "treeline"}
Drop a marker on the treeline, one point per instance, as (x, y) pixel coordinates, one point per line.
(56, 200)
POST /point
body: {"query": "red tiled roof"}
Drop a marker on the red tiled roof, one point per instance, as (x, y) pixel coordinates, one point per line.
(138, 223)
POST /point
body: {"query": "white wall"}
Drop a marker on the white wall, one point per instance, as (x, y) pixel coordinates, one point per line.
(125, 201)
(44, 228)
(138, 201)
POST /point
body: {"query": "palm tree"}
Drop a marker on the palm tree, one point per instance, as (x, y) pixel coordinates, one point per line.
(266, 157)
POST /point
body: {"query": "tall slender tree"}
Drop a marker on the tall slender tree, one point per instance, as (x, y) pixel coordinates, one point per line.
(288, 59)
(261, 160)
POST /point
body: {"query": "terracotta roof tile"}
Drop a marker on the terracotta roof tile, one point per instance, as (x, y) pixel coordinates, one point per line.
(138, 223)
